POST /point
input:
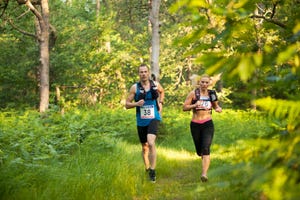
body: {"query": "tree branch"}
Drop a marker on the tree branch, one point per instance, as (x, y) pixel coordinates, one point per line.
(263, 13)
(273, 10)
(34, 10)
(269, 20)
(23, 14)
(20, 30)
(4, 7)
(35, 2)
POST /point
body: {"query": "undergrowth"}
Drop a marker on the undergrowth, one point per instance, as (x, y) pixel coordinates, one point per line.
(95, 154)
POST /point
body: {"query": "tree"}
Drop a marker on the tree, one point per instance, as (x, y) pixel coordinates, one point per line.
(154, 20)
(40, 10)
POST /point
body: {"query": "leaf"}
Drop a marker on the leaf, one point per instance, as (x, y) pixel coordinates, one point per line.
(282, 109)
(176, 6)
(245, 68)
(286, 55)
(199, 3)
(258, 59)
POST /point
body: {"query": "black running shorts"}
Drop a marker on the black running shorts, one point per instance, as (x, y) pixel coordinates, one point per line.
(143, 131)
(202, 136)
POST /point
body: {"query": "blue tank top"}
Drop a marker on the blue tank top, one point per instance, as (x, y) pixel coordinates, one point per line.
(146, 113)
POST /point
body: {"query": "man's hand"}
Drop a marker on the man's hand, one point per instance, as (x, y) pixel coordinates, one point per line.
(140, 102)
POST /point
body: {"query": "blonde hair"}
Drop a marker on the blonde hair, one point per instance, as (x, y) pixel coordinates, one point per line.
(213, 79)
(196, 78)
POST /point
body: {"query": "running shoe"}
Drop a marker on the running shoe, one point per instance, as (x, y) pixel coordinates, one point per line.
(204, 178)
(152, 175)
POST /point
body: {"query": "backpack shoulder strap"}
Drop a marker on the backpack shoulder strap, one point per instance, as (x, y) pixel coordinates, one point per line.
(154, 92)
(142, 93)
(212, 95)
(197, 93)
(153, 85)
(140, 87)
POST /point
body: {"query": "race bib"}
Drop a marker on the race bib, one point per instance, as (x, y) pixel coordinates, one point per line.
(204, 105)
(147, 112)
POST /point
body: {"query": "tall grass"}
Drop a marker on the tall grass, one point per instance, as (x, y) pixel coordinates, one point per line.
(95, 154)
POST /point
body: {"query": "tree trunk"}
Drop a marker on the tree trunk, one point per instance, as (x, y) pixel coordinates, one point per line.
(43, 39)
(44, 57)
(154, 20)
(98, 7)
(259, 42)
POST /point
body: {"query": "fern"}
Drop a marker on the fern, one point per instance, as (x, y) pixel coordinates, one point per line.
(283, 109)
(281, 155)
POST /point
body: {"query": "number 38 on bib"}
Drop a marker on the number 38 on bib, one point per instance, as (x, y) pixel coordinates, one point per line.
(147, 112)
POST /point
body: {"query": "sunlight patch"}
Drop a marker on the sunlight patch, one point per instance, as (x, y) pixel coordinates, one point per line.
(177, 155)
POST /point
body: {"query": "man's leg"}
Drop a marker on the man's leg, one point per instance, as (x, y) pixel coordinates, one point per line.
(145, 155)
(152, 157)
(152, 150)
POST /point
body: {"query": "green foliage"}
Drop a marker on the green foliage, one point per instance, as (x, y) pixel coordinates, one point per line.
(95, 54)
(255, 44)
(246, 45)
(288, 111)
(37, 161)
(258, 57)
(33, 146)
(18, 66)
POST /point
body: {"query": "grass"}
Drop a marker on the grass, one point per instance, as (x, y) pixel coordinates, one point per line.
(108, 165)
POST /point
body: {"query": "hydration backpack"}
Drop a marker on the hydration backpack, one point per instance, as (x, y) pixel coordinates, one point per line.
(211, 93)
(153, 90)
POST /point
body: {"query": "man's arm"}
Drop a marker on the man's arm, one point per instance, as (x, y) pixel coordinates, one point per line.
(161, 92)
(129, 104)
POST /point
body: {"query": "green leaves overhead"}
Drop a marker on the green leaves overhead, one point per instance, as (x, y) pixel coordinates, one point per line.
(191, 4)
(290, 54)
(234, 29)
(283, 109)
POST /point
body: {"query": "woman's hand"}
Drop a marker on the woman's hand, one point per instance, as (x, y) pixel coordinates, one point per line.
(218, 109)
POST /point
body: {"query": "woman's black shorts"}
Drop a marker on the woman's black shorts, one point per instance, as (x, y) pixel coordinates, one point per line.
(202, 136)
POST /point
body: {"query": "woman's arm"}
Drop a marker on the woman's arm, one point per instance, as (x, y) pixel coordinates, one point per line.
(187, 105)
(216, 106)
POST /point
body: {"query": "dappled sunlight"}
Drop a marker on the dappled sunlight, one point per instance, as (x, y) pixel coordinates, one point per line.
(240, 150)
(223, 152)
(107, 160)
(176, 154)
(168, 153)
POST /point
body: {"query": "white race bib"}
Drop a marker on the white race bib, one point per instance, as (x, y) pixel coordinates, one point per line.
(147, 112)
(204, 105)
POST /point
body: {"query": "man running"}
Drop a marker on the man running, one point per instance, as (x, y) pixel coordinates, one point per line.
(147, 97)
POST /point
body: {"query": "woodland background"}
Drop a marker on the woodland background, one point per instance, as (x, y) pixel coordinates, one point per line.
(95, 51)
(96, 46)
